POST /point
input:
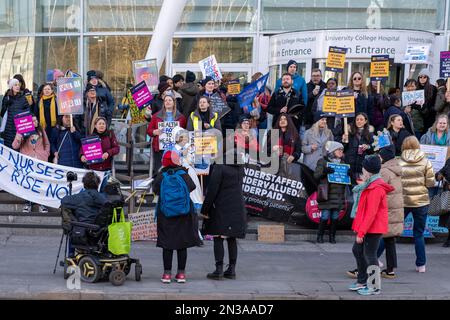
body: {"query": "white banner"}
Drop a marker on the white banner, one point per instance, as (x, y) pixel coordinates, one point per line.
(37, 181)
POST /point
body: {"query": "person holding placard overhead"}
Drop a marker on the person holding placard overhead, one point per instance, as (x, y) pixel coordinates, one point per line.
(65, 143)
(46, 109)
(168, 113)
(331, 196)
(397, 132)
(14, 102)
(438, 134)
(36, 146)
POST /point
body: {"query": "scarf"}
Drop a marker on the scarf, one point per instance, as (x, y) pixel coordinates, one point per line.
(358, 190)
(91, 113)
(42, 121)
(442, 141)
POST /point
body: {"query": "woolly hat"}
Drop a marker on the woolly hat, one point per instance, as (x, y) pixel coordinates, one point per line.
(425, 72)
(332, 146)
(387, 153)
(372, 164)
(319, 115)
(190, 76)
(291, 62)
(206, 80)
(91, 74)
(171, 158)
(12, 83)
(57, 74)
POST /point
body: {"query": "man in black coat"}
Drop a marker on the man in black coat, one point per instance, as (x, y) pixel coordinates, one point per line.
(315, 88)
(286, 100)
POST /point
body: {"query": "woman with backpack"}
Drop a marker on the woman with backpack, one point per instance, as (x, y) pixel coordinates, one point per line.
(177, 222)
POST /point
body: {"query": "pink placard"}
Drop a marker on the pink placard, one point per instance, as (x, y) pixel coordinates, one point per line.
(93, 151)
(24, 124)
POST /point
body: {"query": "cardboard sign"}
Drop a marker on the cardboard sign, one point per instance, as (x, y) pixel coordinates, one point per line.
(218, 105)
(416, 54)
(205, 144)
(271, 233)
(340, 174)
(234, 87)
(146, 70)
(411, 97)
(69, 96)
(436, 154)
(445, 64)
(379, 68)
(144, 226)
(92, 149)
(24, 124)
(336, 59)
(246, 97)
(210, 67)
(167, 138)
(141, 95)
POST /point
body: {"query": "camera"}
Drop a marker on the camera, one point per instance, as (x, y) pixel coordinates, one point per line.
(71, 176)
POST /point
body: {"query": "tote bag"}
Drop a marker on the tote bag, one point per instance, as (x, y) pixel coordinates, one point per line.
(119, 240)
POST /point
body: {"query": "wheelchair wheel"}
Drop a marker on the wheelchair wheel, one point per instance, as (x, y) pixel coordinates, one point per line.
(127, 268)
(90, 271)
(117, 278)
(137, 272)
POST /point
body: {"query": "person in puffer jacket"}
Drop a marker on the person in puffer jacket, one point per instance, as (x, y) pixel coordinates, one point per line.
(417, 177)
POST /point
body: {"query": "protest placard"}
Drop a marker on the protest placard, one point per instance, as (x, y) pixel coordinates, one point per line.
(205, 144)
(37, 181)
(445, 64)
(336, 59)
(146, 70)
(416, 54)
(24, 124)
(167, 138)
(141, 95)
(218, 105)
(144, 226)
(340, 174)
(411, 97)
(210, 67)
(69, 96)
(379, 67)
(137, 115)
(330, 102)
(248, 94)
(346, 104)
(234, 87)
(383, 139)
(92, 149)
(436, 154)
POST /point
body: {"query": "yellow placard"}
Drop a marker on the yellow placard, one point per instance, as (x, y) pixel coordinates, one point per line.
(205, 145)
(346, 105)
(330, 102)
(336, 59)
(379, 69)
(234, 88)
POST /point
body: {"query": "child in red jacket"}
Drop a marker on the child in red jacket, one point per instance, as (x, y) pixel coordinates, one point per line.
(371, 222)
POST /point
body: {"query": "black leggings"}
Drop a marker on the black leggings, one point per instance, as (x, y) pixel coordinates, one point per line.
(219, 250)
(168, 256)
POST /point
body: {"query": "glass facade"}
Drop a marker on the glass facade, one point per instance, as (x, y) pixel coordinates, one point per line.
(107, 35)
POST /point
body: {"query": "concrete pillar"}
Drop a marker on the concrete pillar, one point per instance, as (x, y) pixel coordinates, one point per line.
(170, 15)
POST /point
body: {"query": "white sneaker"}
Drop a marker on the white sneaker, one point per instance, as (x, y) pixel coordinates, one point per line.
(380, 264)
(26, 208)
(421, 269)
(43, 209)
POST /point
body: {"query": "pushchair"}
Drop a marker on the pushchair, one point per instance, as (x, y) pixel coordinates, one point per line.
(90, 242)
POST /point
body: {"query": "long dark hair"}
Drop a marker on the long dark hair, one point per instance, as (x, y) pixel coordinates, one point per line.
(21, 80)
(291, 128)
(366, 129)
(427, 87)
(209, 103)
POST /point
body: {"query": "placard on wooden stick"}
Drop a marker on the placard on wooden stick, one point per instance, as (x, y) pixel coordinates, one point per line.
(273, 233)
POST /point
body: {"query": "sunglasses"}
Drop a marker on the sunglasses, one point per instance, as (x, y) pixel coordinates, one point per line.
(357, 78)
(422, 77)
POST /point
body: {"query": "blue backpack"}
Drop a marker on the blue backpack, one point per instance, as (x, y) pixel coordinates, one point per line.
(175, 197)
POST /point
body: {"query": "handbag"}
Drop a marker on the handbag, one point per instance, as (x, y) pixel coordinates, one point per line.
(322, 191)
(119, 240)
(439, 203)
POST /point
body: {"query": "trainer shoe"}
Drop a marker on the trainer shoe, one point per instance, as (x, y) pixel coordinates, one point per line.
(421, 269)
(166, 278)
(26, 208)
(180, 278)
(356, 286)
(380, 264)
(43, 209)
(388, 275)
(353, 273)
(368, 291)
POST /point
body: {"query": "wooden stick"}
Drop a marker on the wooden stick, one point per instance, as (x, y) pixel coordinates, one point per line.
(448, 84)
(346, 128)
(378, 87)
(201, 182)
(71, 121)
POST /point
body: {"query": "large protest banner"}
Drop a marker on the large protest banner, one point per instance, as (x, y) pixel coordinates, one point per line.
(273, 196)
(146, 70)
(210, 67)
(336, 59)
(249, 93)
(167, 138)
(69, 93)
(37, 181)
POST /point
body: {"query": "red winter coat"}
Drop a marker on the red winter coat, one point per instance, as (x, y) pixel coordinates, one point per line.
(153, 125)
(372, 212)
(109, 145)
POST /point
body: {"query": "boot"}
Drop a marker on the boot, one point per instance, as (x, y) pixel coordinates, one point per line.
(333, 231)
(321, 231)
(218, 273)
(230, 272)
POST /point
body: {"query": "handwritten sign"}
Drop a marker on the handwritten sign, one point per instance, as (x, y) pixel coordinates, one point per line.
(445, 64)
(340, 174)
(144, 226)
(336, 59)
(146, 70)
(218, 105)
(210, 67)
(411, 97)
(379, 68)
(69, 96)
(24, 124)
(92, 149)
(167, 138)
(416, 54)
(141, 95)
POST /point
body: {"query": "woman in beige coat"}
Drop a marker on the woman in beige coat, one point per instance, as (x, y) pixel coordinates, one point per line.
(391, 172)
(417, 177)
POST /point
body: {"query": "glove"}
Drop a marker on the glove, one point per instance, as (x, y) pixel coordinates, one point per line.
(329, 170)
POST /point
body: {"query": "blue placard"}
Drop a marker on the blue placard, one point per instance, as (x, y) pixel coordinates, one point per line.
(340, 174)
(384, 141)
(249, 93)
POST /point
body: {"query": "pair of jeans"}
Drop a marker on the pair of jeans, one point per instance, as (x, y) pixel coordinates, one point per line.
(366, 255)
(420, 219)
(327, 213)
(391, 252)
